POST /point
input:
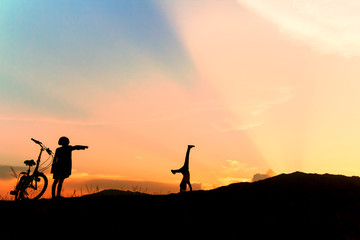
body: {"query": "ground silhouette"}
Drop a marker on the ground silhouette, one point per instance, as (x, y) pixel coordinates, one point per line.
(288, 206)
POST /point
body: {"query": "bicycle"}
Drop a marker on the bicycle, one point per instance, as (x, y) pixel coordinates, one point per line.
(32, 187)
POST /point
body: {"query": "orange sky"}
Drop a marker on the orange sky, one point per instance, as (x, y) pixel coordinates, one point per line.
(251, 85)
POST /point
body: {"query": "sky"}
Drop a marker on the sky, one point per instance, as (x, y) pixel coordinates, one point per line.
(254, 85)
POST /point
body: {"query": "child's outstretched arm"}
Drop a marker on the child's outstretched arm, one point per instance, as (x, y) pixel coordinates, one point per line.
(80, 147)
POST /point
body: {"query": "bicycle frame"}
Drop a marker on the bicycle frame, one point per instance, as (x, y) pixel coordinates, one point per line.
(36, 170)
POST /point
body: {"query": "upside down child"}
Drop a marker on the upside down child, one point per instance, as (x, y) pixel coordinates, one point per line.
(185, 171)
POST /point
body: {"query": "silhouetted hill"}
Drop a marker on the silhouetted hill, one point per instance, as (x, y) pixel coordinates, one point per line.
(298, 181)
(288, 206)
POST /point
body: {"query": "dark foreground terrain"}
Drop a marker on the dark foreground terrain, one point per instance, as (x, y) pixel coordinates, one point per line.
(292, 206)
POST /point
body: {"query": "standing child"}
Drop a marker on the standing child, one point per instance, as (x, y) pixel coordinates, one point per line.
(61, 167)
(185, 171)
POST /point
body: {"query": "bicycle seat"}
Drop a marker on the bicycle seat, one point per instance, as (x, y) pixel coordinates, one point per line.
(29, 163)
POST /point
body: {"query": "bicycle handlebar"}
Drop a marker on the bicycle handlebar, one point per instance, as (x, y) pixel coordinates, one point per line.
(42, 146)
(36, 141)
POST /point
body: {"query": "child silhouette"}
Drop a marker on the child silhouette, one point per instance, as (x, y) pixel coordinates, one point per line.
(185, 171)
(61, 167)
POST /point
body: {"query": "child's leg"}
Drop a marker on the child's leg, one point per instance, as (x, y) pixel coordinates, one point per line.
(176, 171)
(186, 164)
(190, 186)
(59, 187)
(53, 188)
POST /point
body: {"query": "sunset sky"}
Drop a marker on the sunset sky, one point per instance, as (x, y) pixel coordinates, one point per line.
(254, 84)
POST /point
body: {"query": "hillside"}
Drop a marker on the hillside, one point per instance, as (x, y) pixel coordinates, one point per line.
(291, 206)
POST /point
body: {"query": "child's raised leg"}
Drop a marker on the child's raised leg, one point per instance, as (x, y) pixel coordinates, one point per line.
(186, 163)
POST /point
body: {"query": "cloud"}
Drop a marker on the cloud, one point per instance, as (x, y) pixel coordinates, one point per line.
(253, 111)
(330, 26)
(232, 165)
(233, 171)
(6, 173)
(258, 176)
(248, 126)
(232, 126)
(278, 95)
(229, 180)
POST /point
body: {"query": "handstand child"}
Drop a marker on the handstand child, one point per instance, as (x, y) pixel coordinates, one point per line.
(185, 171)
(61, 167)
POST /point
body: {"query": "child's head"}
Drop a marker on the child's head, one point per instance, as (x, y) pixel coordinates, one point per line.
(64, 141)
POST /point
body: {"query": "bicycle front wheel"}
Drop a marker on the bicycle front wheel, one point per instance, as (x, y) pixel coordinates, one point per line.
(34, 187)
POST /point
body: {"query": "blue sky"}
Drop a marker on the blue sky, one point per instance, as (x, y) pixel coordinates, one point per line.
(52, 50)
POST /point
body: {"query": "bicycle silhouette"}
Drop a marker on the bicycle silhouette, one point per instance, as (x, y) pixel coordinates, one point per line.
(32, 186)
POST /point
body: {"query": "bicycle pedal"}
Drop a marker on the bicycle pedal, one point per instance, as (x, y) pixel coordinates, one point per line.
(13, 192)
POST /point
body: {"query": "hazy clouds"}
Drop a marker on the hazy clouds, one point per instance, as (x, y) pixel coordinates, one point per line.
(259, 176)
(5, 171)
(330, 26)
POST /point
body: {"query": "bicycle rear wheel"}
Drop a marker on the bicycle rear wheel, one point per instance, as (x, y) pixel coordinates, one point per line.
(19, 188)
(34, 187)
